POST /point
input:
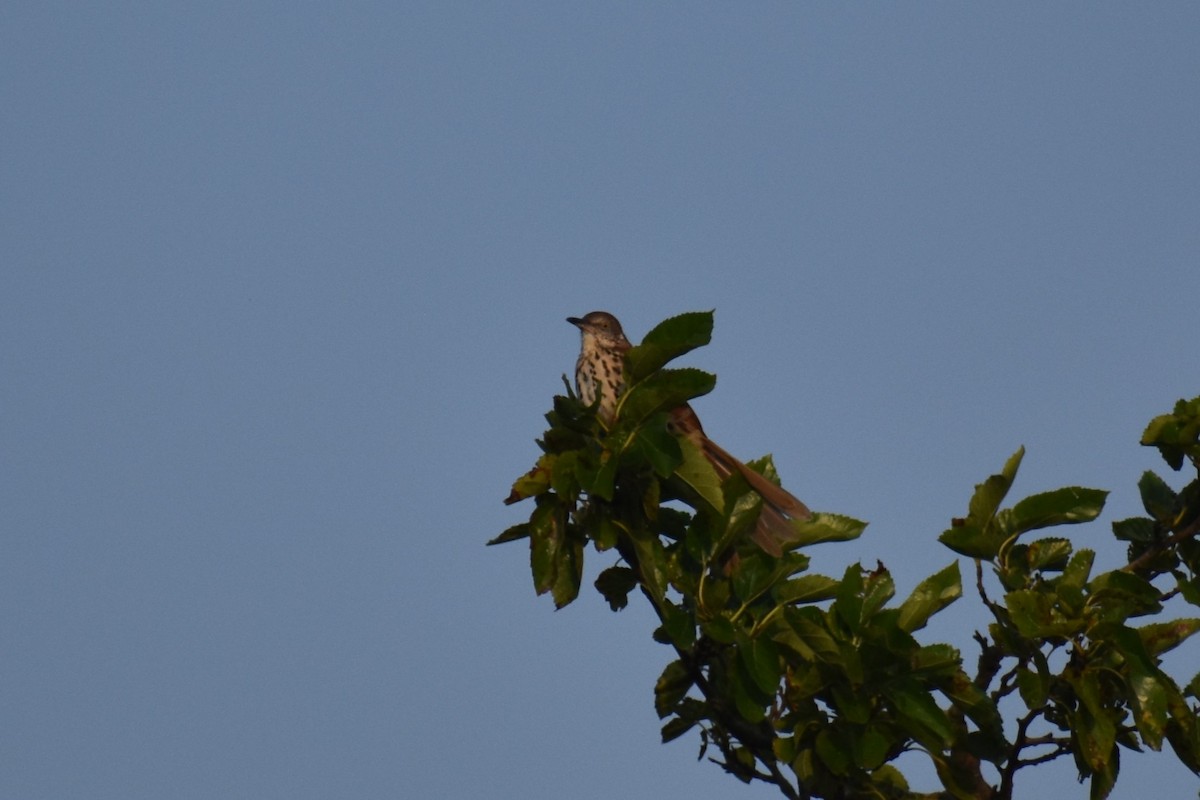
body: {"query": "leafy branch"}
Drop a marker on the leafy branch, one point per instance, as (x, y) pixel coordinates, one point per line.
(815, 684)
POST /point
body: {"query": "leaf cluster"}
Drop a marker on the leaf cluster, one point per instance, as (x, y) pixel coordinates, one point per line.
(818, 684)
(1064, 641)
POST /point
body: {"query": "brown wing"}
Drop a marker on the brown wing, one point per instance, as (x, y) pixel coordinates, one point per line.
(779, 504)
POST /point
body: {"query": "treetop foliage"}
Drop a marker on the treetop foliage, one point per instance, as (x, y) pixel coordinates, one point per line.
(817, 684)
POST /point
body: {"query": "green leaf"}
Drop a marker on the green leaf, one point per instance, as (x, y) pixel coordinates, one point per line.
(1183, 732)
(1034, 687)
(600, 526)
(1139, 530)
(534, 482)
(1105, 778)
(662, 391)
(514, 533)
(719, 629)
(920, 715)
(1158, 498)
(599, 480)
(982, 710)
(976, 536)
(760, 657)
(972, 541)
(1176, 435)
(825, 527)
(698, 473)
(656, 444)
(669, 339)
(747, 697)
(568, 573)
(675, 728)
(989, 494)
(1093, 726)
(752, 576)
(871, 748)
(956, 777)
(679, 625)
(1159, 637)
(615, 583)
(848, 606)
(564, 477)
(808, 636)
(1190, 590)
(833, 753)
(651, 564)
(1118, 595)
(850, 704)
(1193, 687)
(1145, 683)
(672, 685)
(878, 588)
(936, 659)
(931, 596)
(1036, 615)
(1069, 505)
(891, 780)
(1048, 554)
(1077, 571)
(806, 589)
(546, 535)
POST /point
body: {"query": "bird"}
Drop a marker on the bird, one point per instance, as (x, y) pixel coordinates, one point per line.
(600, 374)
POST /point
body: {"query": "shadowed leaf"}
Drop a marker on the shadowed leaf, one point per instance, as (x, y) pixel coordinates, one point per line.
(662, 391)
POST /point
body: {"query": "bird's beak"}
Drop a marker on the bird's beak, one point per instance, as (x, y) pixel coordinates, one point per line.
(576, 321)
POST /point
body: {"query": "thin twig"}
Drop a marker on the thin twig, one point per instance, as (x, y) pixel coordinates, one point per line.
(1014, 763)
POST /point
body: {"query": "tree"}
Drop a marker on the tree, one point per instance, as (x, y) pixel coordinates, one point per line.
(817, 684)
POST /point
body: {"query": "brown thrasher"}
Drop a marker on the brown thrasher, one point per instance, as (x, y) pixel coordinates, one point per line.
(600, 371)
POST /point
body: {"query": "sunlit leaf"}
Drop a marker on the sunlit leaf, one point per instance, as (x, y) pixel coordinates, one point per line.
(1159, 637)
(976, 536)
(534, 482)
(1069, 505)
(1048, 554)
(1176, 435)
(826, 527)
(989, 494)
(669, 339)
(931, 595)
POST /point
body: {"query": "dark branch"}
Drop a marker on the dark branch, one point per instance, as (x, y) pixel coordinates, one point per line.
(1154, 550)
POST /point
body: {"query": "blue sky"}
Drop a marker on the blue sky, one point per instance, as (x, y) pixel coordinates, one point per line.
(282, 307)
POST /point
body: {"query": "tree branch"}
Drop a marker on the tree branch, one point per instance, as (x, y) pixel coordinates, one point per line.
(1154, 550)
